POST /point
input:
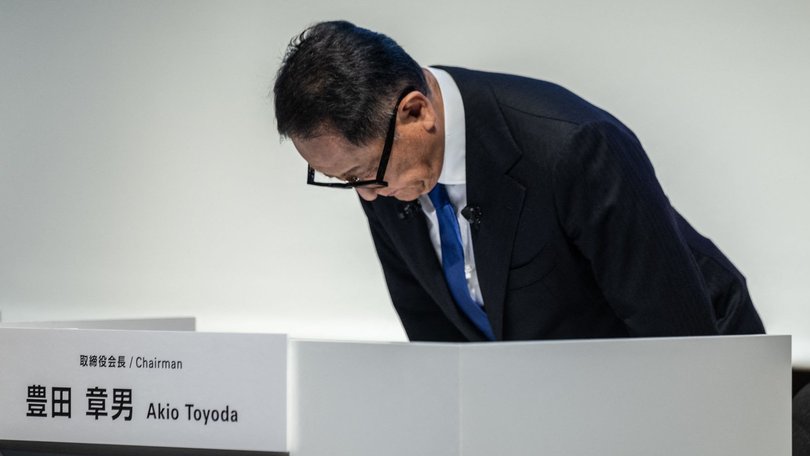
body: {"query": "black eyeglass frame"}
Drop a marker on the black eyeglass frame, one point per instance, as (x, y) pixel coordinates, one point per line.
(378, 181)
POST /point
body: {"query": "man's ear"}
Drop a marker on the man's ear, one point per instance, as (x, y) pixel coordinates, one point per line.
(417, 108)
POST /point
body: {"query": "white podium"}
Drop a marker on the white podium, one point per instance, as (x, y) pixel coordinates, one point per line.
(708, 396)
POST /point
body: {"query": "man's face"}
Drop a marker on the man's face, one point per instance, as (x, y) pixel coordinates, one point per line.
(416, 156)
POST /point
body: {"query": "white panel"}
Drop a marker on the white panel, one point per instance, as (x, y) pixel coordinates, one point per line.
(352, 399)
(698, 396)
(632, 397)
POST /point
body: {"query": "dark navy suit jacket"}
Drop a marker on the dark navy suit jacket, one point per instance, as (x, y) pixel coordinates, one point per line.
(575, 238)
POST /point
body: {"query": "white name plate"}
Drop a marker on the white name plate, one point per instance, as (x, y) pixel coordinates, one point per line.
(144, 388)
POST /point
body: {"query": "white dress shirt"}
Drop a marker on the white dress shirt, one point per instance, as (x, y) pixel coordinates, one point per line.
(454, 178)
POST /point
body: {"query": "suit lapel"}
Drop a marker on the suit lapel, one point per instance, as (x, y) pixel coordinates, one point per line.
(500, 200)
(411, 234)
(491, 153)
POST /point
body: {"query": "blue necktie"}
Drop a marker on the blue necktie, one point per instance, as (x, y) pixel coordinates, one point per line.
(453, 260)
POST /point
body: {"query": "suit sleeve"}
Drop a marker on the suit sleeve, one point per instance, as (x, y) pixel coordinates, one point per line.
(421, 317)
(613, 209)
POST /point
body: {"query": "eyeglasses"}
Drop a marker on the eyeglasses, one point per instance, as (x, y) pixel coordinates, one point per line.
(378, 181)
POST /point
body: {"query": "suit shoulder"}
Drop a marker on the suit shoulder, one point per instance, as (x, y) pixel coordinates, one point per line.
(528, 96)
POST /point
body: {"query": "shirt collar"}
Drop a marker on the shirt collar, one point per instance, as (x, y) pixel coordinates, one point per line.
(454, 169)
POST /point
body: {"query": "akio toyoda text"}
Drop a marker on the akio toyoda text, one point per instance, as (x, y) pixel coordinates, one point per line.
(158, 411)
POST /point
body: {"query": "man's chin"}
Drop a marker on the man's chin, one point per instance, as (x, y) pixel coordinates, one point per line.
(411, 193)
(406, 195)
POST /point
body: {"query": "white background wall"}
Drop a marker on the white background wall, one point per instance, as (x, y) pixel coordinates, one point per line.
(141, 175)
